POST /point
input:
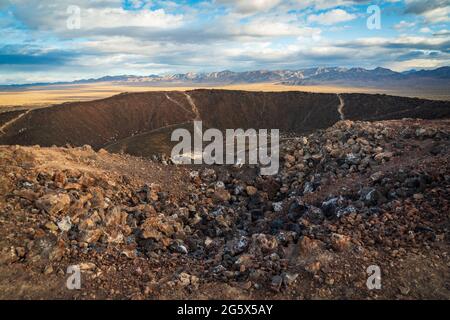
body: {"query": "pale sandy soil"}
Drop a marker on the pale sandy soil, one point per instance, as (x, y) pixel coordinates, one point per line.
(48, 95)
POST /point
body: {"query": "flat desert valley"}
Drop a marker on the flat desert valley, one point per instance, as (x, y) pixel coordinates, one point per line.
(42, 96)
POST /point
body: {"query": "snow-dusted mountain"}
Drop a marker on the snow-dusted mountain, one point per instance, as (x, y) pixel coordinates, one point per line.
(310, 76)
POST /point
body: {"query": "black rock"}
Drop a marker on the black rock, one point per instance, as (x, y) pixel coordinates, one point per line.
(296, 211)
(372, 197)
(276, 225)
(331, 206)
(276, 283)
(257, 214)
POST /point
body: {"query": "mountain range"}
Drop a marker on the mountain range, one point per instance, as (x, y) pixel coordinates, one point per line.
(379, 77)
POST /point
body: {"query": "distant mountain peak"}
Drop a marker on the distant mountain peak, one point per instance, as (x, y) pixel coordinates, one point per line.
(318, 75)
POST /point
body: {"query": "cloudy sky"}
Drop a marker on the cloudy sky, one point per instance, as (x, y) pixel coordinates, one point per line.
(43, 40)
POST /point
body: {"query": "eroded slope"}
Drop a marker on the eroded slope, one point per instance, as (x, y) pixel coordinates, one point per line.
(117, 120)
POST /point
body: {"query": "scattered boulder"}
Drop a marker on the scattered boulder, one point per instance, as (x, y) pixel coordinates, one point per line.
(53, 203)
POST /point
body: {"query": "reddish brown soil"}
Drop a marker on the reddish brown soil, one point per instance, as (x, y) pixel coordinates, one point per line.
(415, 269)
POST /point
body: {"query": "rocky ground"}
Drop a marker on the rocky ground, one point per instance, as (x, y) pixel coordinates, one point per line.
(352, 196)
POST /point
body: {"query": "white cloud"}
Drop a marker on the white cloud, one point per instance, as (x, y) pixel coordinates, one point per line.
(264, 26)
(415, 64)
(178, 38)
(434, 11)
(425, 30)
(116, 18)
(404, 25)
(438, 15)
(331, 17)
(52, 16)
(443, 32)
(250, 6)
(324, 4)
(410, 42)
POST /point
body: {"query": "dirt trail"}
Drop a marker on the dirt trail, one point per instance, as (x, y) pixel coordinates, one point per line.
(10, 122)
(341, 106)
(112, 144)
(179, 104)
(197, 131)
(194, 107)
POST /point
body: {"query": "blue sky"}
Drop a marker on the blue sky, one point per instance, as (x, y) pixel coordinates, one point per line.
(39, 42)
